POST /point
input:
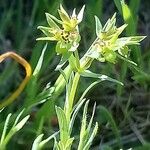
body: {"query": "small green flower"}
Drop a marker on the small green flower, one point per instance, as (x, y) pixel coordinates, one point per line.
(64, 31)
(108, 43)
(70, 23)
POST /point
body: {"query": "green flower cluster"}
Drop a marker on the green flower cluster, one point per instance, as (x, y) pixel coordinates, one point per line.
(67, 36)
(108, 44)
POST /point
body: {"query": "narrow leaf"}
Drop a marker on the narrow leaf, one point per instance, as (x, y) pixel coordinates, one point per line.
(88, 89)
(92, 136)
(127, 60)
(63, 15)
(40, 62)
(75, 112)
(83, 133)
(54, 18)
(102, 77)
(18, 117)
(5, 128)
(98, 26)
(80, 15)
(74, 13)
(36, 142)
(51, 23)
(45, 30)
(21, 123)
(42, 143)
(63, 125)
(91, 120)
(46, 39)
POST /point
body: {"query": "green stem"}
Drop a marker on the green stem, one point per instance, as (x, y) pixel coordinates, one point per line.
(84, 63)
(72, 95)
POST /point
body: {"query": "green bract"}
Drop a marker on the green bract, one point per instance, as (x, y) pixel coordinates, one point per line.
(108, 43)
(67, 35)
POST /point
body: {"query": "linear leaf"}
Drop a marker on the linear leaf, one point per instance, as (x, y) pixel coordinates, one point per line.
(98, 26)
(102, 77)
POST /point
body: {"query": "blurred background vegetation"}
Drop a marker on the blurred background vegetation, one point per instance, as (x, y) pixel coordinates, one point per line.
(123, 113)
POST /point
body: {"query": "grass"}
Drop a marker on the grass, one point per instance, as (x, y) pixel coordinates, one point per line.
(18, 23)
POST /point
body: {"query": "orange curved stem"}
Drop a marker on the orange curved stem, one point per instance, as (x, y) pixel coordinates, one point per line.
(28, 69)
